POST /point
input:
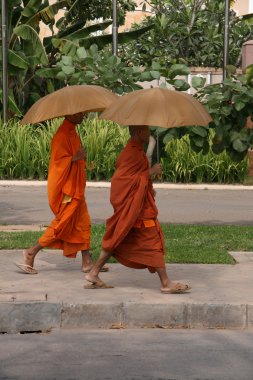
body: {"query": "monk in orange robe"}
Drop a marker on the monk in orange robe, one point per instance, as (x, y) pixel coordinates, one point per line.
(70, 230)
(133, 234)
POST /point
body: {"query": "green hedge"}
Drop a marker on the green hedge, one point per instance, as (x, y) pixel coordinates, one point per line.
(24, 154)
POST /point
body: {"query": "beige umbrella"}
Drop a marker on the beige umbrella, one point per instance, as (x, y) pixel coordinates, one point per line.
(68, 101)
(157, 107)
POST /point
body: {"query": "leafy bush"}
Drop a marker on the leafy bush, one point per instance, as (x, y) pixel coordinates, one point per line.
(182, 164)
(24, 154)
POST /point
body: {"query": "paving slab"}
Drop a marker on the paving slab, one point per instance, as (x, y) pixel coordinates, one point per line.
(221, 296)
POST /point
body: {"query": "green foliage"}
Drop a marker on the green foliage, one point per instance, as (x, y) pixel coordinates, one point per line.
(92, 66)
(230, 105)
(28, 53)
(92, 10)
(24, 151)
(24, 154)
(191, 31)
(182, 164)
(103, 141)
(25, 48)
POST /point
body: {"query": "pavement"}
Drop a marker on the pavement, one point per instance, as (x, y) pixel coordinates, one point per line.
(221, 296)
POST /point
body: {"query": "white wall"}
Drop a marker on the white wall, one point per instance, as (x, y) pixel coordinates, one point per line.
(250, 6)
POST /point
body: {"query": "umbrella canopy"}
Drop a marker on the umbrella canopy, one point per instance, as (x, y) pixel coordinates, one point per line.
(68, 101)
(157, 107)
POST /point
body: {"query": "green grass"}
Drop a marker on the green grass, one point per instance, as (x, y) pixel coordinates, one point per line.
(184, 243)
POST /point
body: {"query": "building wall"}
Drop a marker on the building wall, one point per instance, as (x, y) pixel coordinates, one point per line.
(136, 16)
(241, 7)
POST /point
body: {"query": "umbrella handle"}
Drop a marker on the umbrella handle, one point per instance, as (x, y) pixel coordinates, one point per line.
(159, 176)
(157, 148)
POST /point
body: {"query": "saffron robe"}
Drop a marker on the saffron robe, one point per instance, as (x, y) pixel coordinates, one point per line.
(70, 230)
(133, 234)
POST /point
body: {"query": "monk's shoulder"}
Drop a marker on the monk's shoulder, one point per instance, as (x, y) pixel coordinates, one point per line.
(60, 135)
(132, 151)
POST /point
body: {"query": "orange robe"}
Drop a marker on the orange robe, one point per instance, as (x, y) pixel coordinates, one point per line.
(133, 233)
(70, 230)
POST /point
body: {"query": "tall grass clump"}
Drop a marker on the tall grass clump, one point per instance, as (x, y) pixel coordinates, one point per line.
(25, 150)
(103, 141)
(182, 164)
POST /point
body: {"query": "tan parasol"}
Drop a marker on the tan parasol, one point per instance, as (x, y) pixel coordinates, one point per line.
(157, 107)
(68, 101)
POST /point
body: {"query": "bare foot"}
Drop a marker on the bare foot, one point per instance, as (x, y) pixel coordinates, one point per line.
(87, 269)
(93, 279)
(27, 266)
(28, 256)
(96, 283)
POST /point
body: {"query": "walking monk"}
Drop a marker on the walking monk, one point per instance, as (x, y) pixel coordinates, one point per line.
(133, 234)
(70, 230)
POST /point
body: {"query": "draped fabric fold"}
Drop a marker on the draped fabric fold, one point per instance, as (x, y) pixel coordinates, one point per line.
(132, 198)
(70, 230)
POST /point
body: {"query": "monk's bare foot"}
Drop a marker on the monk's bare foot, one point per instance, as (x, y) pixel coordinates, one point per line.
(93, 279)
(87, 262)
(28, 256)
(87, 269)
(27, 265)
(175, 288)
(96, 283)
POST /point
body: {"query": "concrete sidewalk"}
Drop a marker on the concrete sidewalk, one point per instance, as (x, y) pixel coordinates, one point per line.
(221, 296)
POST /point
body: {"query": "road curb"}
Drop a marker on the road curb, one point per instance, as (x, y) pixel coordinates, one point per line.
(44, 316)
(169, 186)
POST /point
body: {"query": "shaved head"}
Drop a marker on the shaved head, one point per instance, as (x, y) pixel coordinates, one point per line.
(134, 130)
(76, 118)
(140, 133)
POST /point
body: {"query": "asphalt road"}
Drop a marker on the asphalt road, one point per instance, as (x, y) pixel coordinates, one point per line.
(28, 205)
(150, 354)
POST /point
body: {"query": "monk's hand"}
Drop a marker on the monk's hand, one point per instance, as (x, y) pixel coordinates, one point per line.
(156, 169)
(80, 155)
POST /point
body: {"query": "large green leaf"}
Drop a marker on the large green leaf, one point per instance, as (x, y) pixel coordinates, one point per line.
(240, 146)
(71, 29)
(198, 82)
(200, 131)
(17, 59)
(178, 69)
(27, 33)
(249, 73)
(123, 38)
(85, 32)
(46, 14)
(31, 8)
(12, 106)
(48, 73)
